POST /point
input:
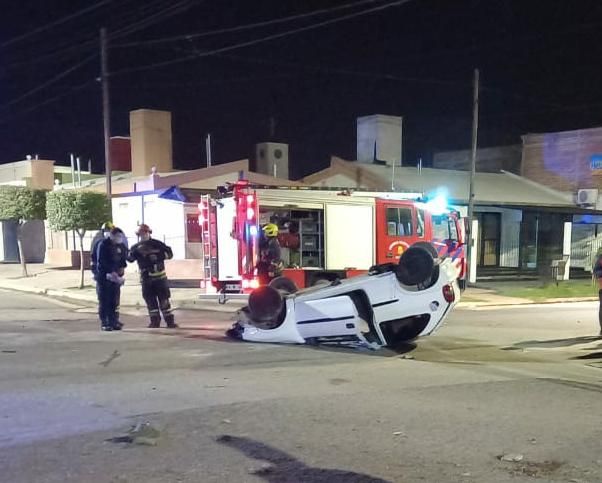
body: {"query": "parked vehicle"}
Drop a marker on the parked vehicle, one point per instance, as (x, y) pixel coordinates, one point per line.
(325, 234)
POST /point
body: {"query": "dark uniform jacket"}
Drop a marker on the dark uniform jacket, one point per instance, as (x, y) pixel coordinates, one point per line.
(150, 255)
(597, 269)
(270, 257)
(110, 257)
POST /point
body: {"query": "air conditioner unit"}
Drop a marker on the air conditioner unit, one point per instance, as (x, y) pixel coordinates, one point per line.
(587, 197)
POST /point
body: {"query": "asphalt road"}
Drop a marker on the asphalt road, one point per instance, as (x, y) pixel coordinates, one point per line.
(522, 382)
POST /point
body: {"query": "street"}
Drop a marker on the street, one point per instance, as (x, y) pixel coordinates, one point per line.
(518, 383)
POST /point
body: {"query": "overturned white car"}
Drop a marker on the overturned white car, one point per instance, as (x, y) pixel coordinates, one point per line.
(390, 305)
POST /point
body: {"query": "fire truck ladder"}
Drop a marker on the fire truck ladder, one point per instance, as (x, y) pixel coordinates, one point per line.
(206, 238)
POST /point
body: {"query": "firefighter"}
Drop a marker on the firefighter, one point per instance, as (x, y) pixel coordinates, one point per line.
(110, 264)
(270, 262)
(151, 255)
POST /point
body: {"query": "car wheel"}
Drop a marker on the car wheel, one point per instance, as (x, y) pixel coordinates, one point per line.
(266, 307)
(415, 266)
(428, 247)
(320, 281)
(284, 284)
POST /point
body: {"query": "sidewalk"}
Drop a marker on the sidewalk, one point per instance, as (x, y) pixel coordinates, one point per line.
(62, 284)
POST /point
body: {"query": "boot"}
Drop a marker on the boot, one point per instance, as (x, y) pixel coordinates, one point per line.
(170, 322)
(155, 322)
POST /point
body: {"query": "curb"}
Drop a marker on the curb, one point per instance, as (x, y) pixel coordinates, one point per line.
(234, 305)
(231, 306)
(472, 305)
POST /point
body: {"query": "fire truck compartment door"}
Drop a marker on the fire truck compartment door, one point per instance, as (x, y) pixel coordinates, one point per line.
(329, 317)
(227, 247)
(349, 232)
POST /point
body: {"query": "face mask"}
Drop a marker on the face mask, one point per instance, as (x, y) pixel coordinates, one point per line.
(106, 234)
(117, 239)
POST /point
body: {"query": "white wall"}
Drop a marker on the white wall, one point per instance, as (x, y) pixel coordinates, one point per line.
(128, 214)
(166, 218)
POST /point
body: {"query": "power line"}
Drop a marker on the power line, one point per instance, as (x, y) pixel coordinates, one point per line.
(263, 39)
(50, 100)
(335, 70)
(152, 19)
(239, 28)
(164, 10)
(49, 81)
(55, 23)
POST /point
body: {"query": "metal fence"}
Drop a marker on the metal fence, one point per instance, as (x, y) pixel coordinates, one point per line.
(584, 246)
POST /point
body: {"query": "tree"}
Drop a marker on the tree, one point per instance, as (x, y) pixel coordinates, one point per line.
(21, 204)
(79, 211)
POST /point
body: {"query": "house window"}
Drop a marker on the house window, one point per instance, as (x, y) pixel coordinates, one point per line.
(193, 229)
(399, 222)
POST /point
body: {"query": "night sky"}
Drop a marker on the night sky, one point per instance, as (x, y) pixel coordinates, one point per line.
(540, 67)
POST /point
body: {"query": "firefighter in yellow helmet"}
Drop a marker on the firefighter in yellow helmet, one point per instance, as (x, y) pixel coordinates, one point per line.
(151, 255)
(270, 263)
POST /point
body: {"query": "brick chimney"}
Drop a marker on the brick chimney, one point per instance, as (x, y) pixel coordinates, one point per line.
(150, 133)
(121, 153)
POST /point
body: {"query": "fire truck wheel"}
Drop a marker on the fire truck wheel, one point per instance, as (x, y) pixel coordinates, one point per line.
(428, 247)
(415, 267)
(284, 284)
(265, 305)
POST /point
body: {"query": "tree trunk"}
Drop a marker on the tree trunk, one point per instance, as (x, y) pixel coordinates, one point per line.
(81, 234)
(20, 246)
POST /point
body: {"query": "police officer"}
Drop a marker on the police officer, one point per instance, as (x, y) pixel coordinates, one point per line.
(270, 264)
(104, 232)
(151, 255)
(110, 264)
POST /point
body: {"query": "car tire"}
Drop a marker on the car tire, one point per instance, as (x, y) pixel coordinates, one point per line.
(428, 247)
(321, 281)
(284, 284)
(265, 304)
(416, 266)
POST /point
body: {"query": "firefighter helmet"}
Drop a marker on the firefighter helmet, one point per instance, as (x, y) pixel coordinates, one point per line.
(143, 228)
(270, 230)
(107, 226)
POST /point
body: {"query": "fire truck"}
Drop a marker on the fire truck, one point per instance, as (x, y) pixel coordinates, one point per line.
(325, 234)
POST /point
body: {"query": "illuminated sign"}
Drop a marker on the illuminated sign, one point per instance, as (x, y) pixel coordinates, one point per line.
(595, 161)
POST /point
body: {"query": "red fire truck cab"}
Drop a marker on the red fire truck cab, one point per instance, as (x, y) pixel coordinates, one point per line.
(324, 234)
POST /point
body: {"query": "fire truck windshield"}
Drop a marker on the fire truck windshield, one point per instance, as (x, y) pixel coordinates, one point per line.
(444, 228)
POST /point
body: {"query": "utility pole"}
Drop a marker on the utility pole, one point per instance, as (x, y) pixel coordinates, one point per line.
(106, 107)
(473, 164)
(208, 149)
